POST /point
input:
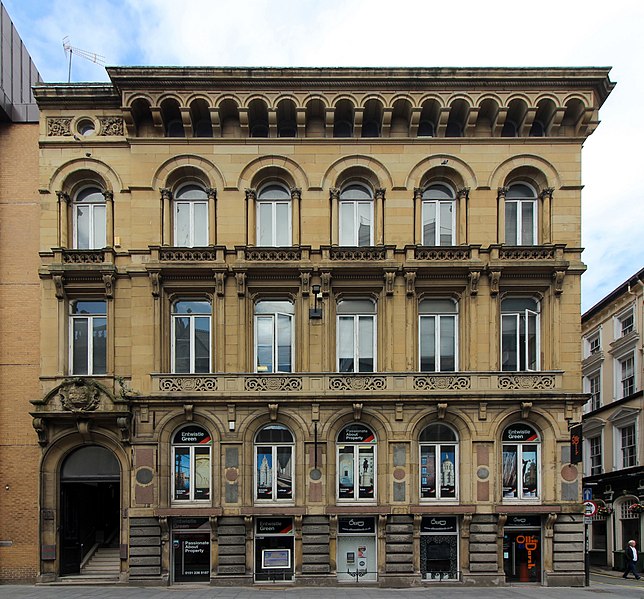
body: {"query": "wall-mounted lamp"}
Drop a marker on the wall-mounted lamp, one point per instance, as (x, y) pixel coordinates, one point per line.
(316, 311)
(231, 425)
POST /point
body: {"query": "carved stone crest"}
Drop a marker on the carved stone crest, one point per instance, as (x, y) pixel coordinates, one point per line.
(79, 395)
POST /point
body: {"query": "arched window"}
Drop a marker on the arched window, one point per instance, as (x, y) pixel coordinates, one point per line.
(88, 337)
(438, 335)
(520, 349)
(89, 219)
(439, 215)
(521, 462)
(356, 463)
(274, 464)
(190, 216)
(356, 215)
(356, 335)
(438, 462)
(191, 336)
(191, 447)
(274, 216)
(274, 336)
(520, 215)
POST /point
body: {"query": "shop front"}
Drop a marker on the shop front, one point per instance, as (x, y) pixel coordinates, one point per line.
(522, 549)
(439, 548)
(274, 545)
(356, 560)
(190, 550)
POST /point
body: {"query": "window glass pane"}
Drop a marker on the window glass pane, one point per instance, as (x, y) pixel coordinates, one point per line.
(428, 471)
(271, 307)
(181, 344)
(446, 209)
(366, 474)
(438, 432)
(518, 304)
(202, 344)
(355, 192)
(284, 343)
(264, 343)
(202, 473)
(365, 349)
(273, 192)
(264, 476)
(448, 471)
(345, 472)
(519, 190)
(356, 307)
(81, 346)
(527, 228)
(191, 307)
(521, 350)
(265, 230)
(99, 345)
(345, 343)
(447, 344)
(427, 344)
(511, 231)
(182, 473)
(200, 223)
(438, 192)
(99, 226)
(510, 488)
(347, 224)
(182, 224)
(284, 473)
(509, 323)
(82, 227)
(90, 194)
(529, 471)
(191, 192)
(532, 341)
(274, 433)
(89, 307)
(437, 306)
(364, 224)
(282, 224)
(429, 223)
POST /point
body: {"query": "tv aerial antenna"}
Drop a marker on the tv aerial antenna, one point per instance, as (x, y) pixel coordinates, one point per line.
(71, 50)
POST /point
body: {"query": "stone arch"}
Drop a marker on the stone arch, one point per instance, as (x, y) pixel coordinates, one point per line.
(380, 175)
(170, 96)
(174, 420)
(519, 96)
(429, 97)
(199, 96)
(280, 163)
(164, 173)
(549, 175)
(371, 418)
(68, 176)
(256, 96)
(229, 97)
(435, 165)
(460, 422)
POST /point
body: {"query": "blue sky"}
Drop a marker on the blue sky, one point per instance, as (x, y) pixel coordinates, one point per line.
(402, 33)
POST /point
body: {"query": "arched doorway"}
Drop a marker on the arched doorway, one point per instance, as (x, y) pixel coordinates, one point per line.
(89, 505)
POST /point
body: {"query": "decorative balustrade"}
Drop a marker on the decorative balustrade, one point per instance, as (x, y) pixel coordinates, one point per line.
(443, 253)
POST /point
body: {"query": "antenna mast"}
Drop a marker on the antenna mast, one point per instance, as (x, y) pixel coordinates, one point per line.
(70, 50)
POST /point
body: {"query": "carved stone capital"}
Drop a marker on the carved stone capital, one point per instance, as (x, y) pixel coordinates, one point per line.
(211, 192)
(59, 286)
(463, 192)
(547, 193)
(550, 524)
(410, 283)
(166, 193)
(40, 427)
(251, 194)
(500, 525)
(296, 193)
(465, 525)
(390, 279)
(502, 192)
(240, 278)
(220, 283)
(108, 194)
(334, 193)
(495, 280)
(418, 193)
(380, 193)
(63, 196)
(272, 411)
(108, 281)
(474, 277)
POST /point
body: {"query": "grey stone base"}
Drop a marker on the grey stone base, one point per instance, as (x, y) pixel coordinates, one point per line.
(232, 581)
(567, 579)
(492, 579)
(402, 581)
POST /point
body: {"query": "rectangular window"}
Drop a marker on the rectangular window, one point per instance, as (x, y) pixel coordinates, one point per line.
(520, 471)
(356, 472)
(356, 343)
(88, 332)
(89, 226)
(595, 457)
(274, 336)
(627, 370)
(274, 224)
(519, 340)
(190, 223)
(520, 222)
(438, 471)
(356, 223)
(626, 323)
(438, 223)
(438, 343)
(628, 449)
(191, 337)
(594, 383)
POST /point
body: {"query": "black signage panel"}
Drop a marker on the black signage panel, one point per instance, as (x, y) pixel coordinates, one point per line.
(192, 435)
(357, 525)
(524, 521)
(576, 451)
(520, 433)
(190, 523)
(438, 524)
(274, 526)
(356, 433)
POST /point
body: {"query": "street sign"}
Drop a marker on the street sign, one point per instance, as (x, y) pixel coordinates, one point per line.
(590, 508)
(588, 520)
(587, 493)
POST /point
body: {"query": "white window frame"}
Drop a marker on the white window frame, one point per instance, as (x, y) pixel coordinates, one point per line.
(594, 448)
(93, 243)
(274, 474)
(273, 205)
(437, 469)
(191, 447)
(90, 326)
(625, 322)
(621, 380)
(518, 223)
(350, 237)
(595, 390)
(593, 344)
(520, 448)
(274, 318)
(357, 318)
(620, 447)
(427, 202)
(356, 470)
(191, 318)
(437, 317)
(523, 317)
(192, 218)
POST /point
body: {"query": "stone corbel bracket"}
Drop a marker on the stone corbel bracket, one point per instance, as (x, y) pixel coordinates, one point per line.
(272, 411)
(526, 406)
(442, 409)
(357, 411)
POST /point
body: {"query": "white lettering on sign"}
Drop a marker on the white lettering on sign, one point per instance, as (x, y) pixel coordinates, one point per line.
(438, 522)
(353, 522)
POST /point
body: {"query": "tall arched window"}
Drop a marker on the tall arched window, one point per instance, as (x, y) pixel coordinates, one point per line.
(274, 216)
(439, 215)
(190, 216)
(520, 349)
(521, 462)
(438, 462)
(438, 335)
(191, 448)
(356, 463)
(274, 336)
(520, 215)
(191, 336)
(274, 463)
(356, 215)
(89, 219)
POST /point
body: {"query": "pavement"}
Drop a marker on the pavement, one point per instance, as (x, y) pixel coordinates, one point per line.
(608, 583)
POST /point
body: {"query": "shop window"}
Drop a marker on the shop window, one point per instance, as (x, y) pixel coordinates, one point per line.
(356, 464)
(439, 548)
(274, 548)
(191, 336)
(356, 216)
(438, 462)
(356, 549)
(89, 219)
(521, 462)
(438, 335)
(520, 215)
(439, 215)
(274, 336)
(88, 336)
(191, 455)
(519, 334)
(190, 216)
(273, 216)
(274, 464)
(356, 336)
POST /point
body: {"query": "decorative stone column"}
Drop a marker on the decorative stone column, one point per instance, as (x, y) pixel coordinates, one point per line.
(546, 211)
(418, 216)
(296, 199)
(166, 216)
(334, 199)
(379, 216)
(500, 232)
(212, 215)
(63, 218)
(109, 217)
(463, 196)
(251, 197)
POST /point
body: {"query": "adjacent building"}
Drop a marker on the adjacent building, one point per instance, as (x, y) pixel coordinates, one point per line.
(612, 369)
(316, 326)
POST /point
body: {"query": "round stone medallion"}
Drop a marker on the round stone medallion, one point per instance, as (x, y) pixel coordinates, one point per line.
(569, 473)
(399, 473)
(316, 474)
(483, 473)
(232, 474)
(144, 476)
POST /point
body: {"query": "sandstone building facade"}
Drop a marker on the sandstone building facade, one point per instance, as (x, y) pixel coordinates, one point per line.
(313, 325)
